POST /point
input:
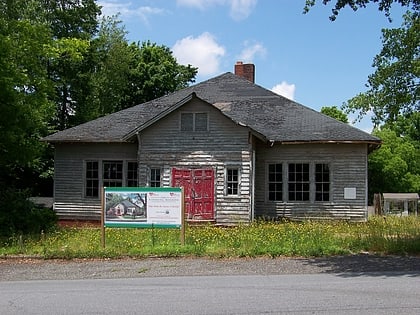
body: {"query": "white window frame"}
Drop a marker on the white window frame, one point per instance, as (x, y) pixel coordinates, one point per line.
(227, 181)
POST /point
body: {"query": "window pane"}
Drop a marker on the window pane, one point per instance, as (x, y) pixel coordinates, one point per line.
(155, 177)
(113, 170)
(109, 183)
(232, 181)
(132, 174)
(275, 185)
(298, 181)
(92, 179)
(187, 122)
(201, 122)
(112, 173)
(322, 182)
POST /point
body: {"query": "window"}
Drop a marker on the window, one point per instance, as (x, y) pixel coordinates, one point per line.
(155, 177)
(194, 122)
(92, 179)
(132, 174)
(275, 182)
(200, 122)
(322, 182)
(112, 173)
(298, 182)
(232, 181)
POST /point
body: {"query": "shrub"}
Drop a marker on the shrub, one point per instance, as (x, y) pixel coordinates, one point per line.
(18, 215)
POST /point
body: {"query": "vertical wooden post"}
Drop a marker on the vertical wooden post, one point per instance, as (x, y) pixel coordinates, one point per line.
(182, 217)
(103, 217)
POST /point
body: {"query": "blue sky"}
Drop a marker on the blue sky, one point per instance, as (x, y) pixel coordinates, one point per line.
(304, 57)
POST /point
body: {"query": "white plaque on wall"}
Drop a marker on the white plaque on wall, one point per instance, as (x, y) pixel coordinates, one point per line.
(350, 193)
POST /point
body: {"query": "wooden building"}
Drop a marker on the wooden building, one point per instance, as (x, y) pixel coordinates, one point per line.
(239, 150)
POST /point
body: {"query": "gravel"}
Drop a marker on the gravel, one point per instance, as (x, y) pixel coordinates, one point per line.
(21, 268)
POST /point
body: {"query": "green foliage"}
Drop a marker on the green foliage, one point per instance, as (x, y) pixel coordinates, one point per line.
(394, 88)
(154, 72)
(335, 113)
(395, 166)
(25, 87)
(58, 70)
(390, 235)
(383, 5)
(108, 82)
(20, 216)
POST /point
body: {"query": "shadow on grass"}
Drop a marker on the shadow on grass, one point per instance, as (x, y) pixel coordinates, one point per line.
(369, 265)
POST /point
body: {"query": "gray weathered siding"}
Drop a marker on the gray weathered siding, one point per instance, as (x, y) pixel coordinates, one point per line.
(225, 144)
(348, 167)
(69, 186)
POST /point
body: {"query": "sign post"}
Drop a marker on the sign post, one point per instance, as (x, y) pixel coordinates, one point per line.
(182, 217)
(103, 218)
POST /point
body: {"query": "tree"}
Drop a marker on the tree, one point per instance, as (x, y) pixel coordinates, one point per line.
(111, 55)
(394, 88)
(335, 113)
(73, 23)
(409, 127)
(25, 47)
(395, 167)
(383, 5)
(128, 74)
(155, 72)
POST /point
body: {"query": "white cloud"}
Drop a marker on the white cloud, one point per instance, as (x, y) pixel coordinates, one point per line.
(252, 50)
(125, 9)
(239, 9)
(203, 52)
(285, 89)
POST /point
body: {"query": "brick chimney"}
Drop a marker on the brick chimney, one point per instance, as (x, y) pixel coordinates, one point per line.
(246, 70)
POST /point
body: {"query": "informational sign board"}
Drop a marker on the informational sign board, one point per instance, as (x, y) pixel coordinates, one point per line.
(143, 207)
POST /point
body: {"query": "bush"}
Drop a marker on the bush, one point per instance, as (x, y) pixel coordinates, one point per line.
(18, 215)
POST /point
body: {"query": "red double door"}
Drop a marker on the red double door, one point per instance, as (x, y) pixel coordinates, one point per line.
(199, 191)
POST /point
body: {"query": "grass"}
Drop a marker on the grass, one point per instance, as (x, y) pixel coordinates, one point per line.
(390, 235)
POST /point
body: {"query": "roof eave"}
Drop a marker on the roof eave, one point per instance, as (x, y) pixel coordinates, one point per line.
(371, 143)
(84, 141)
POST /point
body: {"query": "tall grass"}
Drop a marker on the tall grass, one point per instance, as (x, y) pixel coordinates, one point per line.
(390, 235)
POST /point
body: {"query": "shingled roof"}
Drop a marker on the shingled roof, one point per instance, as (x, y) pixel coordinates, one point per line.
(273, 117)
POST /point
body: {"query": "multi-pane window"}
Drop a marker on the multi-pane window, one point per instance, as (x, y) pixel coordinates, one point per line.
(132, 174)
(92, 179)
(112, 173)
(298, 184)
(194, 122)
(232, 181)
(200, 122)
(322, 182)
(155, 177)
(275, 182)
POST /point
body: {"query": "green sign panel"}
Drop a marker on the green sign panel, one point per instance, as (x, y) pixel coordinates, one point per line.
(142, 207)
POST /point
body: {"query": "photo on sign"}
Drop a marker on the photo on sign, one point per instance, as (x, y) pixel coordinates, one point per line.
(126, 206)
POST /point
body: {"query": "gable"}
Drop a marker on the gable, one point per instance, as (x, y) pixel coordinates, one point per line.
(203, 124)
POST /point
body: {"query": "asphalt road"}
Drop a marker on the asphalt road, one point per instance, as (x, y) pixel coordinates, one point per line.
(355, 284)
(388, 293)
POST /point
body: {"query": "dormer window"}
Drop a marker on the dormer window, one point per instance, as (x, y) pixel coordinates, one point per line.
(194, 122)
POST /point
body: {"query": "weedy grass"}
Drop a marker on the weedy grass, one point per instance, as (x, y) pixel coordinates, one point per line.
(381, 235)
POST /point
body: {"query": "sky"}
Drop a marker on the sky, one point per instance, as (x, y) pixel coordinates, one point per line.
(304, 57)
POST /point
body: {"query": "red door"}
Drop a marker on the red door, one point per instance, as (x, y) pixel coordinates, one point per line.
(199, 191)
